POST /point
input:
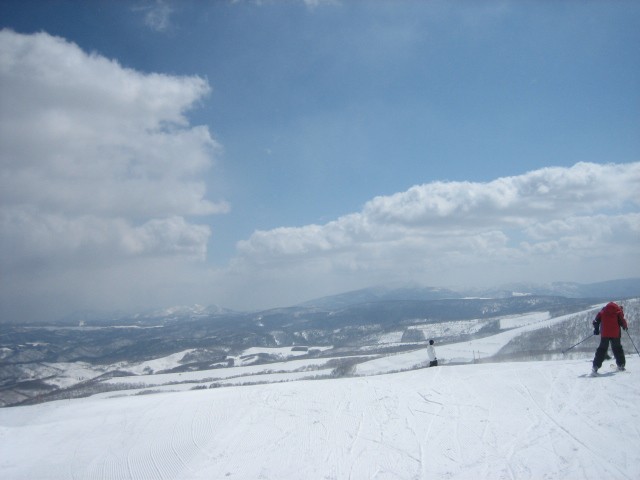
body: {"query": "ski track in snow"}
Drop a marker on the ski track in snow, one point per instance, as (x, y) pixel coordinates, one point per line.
(537, 420)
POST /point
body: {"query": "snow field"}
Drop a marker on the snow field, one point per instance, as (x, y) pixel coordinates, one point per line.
(309, 368)
(488, 421)
(257, 379)
(462, 352)
(158, 364)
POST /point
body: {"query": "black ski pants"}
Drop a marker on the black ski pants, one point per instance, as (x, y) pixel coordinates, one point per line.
(601, 352)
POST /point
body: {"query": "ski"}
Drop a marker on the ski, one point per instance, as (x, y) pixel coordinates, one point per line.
(614, 367)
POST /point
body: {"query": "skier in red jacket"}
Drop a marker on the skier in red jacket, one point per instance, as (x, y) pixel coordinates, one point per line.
(608, 323)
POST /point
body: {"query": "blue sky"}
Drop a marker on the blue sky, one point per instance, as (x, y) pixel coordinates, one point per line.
(256, 154)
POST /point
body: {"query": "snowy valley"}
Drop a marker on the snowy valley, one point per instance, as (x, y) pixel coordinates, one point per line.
(505, 402)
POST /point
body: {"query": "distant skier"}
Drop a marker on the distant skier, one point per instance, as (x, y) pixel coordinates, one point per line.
(608, 323)
(431, 352)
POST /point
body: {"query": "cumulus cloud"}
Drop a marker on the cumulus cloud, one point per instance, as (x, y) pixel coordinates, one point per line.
(545, 193)
(564, 220)
(98, 162)
(94, 154)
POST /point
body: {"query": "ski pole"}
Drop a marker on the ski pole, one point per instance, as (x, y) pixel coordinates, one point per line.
(634, 345)
(572, 346)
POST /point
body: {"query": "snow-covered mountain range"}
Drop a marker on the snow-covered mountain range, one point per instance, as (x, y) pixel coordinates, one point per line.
(44, 362)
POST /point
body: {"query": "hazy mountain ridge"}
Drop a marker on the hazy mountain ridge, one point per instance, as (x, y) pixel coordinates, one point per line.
(34, 358)
(621, 288)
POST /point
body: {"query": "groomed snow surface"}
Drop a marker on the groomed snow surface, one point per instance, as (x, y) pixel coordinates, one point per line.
(534, 420)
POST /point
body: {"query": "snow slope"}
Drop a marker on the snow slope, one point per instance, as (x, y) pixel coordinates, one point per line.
(247, 373)
(488, 421)
(203, 376)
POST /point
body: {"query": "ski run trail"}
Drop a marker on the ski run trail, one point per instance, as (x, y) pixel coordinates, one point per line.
(528, 420)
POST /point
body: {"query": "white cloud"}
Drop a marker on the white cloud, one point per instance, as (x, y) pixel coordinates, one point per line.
(98, 163)
(545, 193)
(549, 224)
(56, 239)
(460, 209)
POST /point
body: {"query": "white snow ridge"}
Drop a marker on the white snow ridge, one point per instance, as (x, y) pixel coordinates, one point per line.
(533, 420)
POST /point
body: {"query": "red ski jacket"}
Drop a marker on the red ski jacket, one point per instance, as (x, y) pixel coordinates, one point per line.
(610, 319)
